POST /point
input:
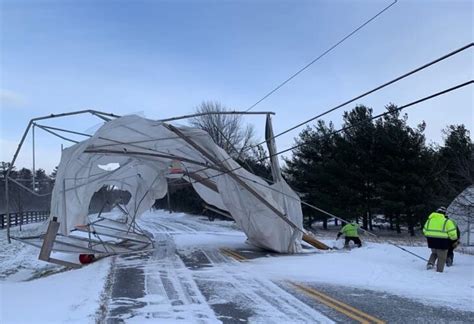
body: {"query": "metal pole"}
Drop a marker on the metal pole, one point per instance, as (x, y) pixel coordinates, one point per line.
(219, 113)
(7, 199)
(94, 112)
(168, 198)
(270, 139)
(55, 134)
(159, 155)
(15, 155)
(469, 226)
(63, 130)
(33, 141)
(234, 177)
(64, 207)
(19, 184)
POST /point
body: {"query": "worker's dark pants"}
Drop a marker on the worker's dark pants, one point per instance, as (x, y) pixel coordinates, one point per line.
(450, 255)
(441, 256)
(356, 240)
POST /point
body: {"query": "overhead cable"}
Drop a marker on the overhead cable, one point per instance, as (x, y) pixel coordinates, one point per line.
(382, 114)
(322, 55)
(356, 124)
(403, 76)
(399, 78)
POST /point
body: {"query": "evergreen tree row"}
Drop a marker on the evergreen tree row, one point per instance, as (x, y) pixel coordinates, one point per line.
(379, 167)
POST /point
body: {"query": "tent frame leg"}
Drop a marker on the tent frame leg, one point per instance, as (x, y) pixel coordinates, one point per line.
(47, 247)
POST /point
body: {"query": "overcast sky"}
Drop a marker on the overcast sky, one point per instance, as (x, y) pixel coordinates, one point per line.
(162, 58)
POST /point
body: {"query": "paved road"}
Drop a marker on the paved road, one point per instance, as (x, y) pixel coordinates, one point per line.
(387, 307)
(204, 285)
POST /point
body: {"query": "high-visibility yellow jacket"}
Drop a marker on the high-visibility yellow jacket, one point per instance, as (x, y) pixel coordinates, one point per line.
(350, 230)
(438, 226)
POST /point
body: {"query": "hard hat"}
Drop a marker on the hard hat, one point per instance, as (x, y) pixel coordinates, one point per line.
(441, 210)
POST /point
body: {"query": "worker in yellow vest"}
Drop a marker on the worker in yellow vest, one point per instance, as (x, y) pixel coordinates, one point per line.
(351, 233)
(440, 232)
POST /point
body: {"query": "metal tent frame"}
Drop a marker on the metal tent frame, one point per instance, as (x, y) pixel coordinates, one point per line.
(104, 236)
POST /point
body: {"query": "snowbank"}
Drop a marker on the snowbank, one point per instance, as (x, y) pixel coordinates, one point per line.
(71, 297)
(33, 291)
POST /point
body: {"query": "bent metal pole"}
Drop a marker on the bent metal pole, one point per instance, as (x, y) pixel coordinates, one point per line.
(233, 176)
(96, 113)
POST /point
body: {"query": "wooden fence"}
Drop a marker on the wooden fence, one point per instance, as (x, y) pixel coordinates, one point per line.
(23, 218)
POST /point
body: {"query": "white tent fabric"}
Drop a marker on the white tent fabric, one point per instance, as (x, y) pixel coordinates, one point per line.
(144, 149)
(461, 210)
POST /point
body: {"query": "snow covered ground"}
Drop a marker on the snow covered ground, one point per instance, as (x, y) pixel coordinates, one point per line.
(33, 291)
(381, 267)
(178, 286)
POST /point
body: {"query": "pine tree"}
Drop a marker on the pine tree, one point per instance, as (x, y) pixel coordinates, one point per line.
(360, 158)
(315, 173)
(404, 170)
(456, 161)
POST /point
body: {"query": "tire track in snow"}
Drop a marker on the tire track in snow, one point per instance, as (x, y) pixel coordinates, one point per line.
(200, 285)
(261, 300)
(232, 294)
(172, 290)
(127, 288)
(156, 285)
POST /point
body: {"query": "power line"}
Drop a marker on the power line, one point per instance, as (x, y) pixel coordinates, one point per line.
(321, 55)
(335, 132)
(353, 125)
(382, 114)
(399, 78)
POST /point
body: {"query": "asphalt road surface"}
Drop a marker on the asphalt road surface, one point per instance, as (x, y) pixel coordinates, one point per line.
(203, 285)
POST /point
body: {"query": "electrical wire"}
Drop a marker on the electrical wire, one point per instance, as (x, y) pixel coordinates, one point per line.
(395, 80)
(356, 124)
(383, 114)
(401, 77)
(322, 55)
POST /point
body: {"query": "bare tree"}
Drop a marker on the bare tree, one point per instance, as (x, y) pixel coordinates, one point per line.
(227, 131)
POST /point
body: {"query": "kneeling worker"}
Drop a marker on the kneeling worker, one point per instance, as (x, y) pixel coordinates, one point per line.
(350, 232)
(440, 232)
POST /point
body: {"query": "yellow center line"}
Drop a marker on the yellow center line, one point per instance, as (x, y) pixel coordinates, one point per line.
(346, 309)
(233, 254)
(335, 307)
(236, 256)
(341, 307)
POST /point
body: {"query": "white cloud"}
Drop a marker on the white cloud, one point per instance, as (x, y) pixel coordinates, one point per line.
(11, 98)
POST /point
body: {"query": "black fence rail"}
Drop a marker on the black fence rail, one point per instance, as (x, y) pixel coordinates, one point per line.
(23, 218)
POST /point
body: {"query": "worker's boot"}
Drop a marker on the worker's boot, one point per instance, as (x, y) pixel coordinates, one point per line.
(449, 262)
(432, 260)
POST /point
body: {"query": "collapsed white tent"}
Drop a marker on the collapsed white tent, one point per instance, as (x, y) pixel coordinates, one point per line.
(461, 210)
(270, 215)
